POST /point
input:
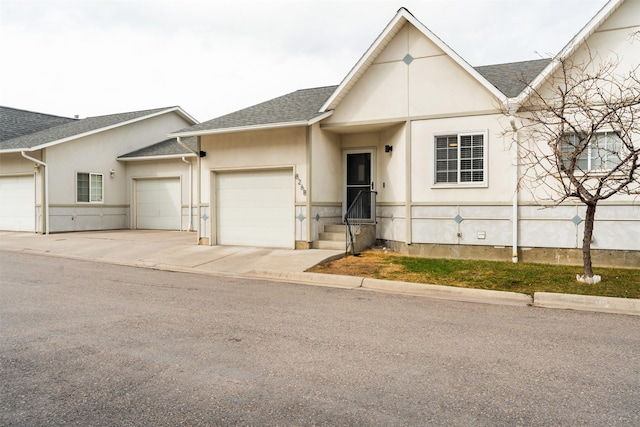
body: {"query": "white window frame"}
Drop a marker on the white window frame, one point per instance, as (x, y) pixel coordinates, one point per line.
(90, 175)
(594, 146)
(458, 184)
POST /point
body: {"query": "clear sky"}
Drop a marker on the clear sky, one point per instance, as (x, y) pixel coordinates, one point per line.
(212, 57)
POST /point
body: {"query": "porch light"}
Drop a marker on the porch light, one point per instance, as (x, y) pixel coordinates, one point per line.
(388, 148)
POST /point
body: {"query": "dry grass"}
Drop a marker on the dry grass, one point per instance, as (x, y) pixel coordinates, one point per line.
(503, 276)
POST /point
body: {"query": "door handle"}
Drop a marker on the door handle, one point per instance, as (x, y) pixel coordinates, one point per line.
(372, 186)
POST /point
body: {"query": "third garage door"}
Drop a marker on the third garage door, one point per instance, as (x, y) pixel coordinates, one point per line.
(17, 203)
(255, 208)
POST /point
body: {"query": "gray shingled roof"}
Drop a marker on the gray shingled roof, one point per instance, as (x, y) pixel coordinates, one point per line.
(168, 147)
(74, 128)
(512, 78)
(304, 105)
(298, 106)
(15, 123)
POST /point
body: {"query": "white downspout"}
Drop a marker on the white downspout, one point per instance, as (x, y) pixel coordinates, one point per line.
(190, 227)
(198, 232)
(46, 189)
(514, 207)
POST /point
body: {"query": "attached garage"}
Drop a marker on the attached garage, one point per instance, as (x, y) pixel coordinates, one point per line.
(158, 204)
(17, 203)
(255, 208)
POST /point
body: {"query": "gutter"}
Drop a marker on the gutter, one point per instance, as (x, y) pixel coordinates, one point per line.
(199, 201)
(514, 202)
(190, 226)
(46, 188)
(265, 126)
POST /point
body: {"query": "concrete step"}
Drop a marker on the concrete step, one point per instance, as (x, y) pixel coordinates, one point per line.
(328, 244)
(333, 236)
(335, 228)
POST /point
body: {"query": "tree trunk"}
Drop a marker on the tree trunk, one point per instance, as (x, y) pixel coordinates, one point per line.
(586, 241)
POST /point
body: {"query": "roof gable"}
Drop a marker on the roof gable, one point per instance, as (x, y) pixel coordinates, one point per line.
(81, 128)
(15, 123)
(382, 41)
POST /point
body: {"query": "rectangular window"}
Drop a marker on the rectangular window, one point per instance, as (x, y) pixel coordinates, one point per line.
(89, 187)
(600, 153)
(460, 158)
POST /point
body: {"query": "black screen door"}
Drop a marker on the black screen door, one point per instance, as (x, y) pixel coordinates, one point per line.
(359, 178)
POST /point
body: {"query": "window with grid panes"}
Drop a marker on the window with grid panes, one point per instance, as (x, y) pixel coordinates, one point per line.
(599, 154)
(460, 158)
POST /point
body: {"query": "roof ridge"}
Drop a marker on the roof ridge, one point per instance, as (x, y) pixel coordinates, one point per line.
(37, 112)
(131, 112)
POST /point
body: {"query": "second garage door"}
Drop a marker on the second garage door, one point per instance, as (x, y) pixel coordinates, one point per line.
(255, 208)
(158, 204)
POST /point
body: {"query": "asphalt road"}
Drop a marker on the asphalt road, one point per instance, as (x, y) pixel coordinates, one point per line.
(97, 344)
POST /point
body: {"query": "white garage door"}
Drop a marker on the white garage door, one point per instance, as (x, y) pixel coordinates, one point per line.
(17, 203)
(158, 204)
(255, 208)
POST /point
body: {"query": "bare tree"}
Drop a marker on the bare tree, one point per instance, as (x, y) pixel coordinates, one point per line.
(580, 138)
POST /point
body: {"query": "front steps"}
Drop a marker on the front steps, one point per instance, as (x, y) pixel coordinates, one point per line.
(333, 237)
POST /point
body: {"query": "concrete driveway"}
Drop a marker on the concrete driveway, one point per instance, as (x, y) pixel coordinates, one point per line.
(165, 249)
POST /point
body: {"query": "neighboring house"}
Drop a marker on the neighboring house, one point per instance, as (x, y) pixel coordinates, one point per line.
(59, 174)
(424, 129)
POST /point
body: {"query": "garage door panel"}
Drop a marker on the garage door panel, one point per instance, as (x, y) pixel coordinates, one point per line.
(158, 204)
(255, 208)
(17, 203)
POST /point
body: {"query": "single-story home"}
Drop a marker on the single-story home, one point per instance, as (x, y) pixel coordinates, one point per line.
(61, 174)
(415, 139)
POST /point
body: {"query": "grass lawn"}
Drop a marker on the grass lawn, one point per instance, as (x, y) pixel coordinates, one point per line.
(496, 275)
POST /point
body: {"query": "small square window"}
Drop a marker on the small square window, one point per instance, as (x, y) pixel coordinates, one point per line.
(89, 187)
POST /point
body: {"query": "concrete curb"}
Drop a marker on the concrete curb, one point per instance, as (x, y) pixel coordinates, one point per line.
(432, 291)
(587, 303)
(320, 279)
(449, 292)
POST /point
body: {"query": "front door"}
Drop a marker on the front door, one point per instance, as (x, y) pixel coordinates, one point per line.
(359, 176)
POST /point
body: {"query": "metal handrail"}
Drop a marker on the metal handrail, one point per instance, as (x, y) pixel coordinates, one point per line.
(356, 212)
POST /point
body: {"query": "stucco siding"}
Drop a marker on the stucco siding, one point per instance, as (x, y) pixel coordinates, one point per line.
(260, 150)
(487, 225)
(98, 153)
(499, 186)
(326, 171)
(616, 227)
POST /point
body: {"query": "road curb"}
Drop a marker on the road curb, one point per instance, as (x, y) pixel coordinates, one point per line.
(449, 292)
(587, 303)
(334, 280)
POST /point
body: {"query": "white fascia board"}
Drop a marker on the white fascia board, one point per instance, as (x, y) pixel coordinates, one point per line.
(104, 129)
(186, 115)
(240, 129)
(573, 45)
(394, 26)
(15, 150)
(143, 158)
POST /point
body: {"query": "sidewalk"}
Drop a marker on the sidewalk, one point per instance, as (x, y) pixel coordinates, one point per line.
(178, 251)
